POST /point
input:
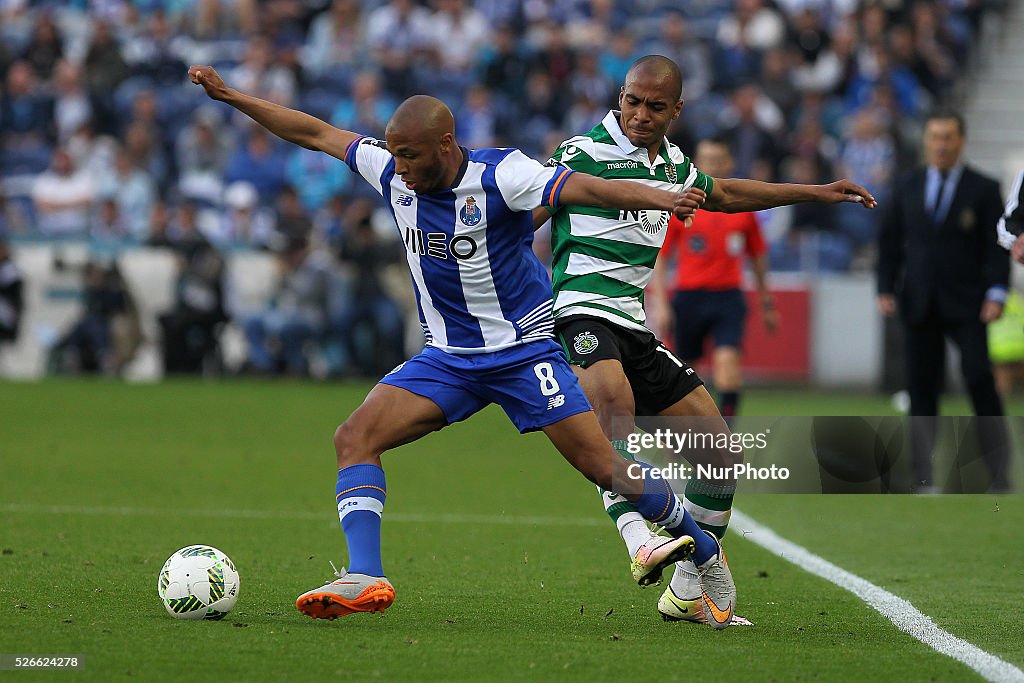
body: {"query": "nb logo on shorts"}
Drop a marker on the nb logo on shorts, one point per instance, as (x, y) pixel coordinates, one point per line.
(556, 401)
(585, 342)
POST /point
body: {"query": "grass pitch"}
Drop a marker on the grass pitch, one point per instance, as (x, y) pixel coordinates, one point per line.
(504, 564)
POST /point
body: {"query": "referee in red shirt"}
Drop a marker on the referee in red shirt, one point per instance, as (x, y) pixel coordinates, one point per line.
(708, 299)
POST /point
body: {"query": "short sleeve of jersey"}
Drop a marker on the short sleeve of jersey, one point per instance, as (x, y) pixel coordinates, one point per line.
(526, 184)
(691, 176)
(755, 241)
(368, 157)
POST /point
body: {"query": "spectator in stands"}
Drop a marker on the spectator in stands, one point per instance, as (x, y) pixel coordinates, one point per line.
(751, 122)
(244, 222)
(26, 123)
(880, 69)
(133, 192)
(259, 162)
(689, 53)
(92, 153)
(481, 123)
(220, 17)
(336, 43)
(457, 34)
(397, 34)
(297, 313)
(505, 66)
(620, 55)
(776, 80)
(261, 74)
(753, 25)
(12, 300)
(316, 176)
(45, 48)
(109, 224)
(202, 152)
(371, 324)
(104, 65)
(190, 328)
(72, 104)
(867, 152)
(156, 52)
(590, 83)
(146, 153)
(63, 197)
(556, 58)
(367, 109)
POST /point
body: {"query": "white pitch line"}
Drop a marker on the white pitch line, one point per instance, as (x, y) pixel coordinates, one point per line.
(900, 612)
(326, 516)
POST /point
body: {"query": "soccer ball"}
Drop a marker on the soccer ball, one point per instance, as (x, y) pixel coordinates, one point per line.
(198, 582)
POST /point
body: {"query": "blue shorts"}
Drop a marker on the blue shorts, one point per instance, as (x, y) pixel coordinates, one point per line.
(703, 313)
(533, 383)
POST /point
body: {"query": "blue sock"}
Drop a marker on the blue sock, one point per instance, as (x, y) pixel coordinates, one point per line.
(360, 495)
(659, 505)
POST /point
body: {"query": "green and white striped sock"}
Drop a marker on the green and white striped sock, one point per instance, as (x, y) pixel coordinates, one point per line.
(710, 505)
(630, 523)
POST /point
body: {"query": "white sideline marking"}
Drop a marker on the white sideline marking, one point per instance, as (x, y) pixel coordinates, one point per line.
(326, 516)
(900, 612)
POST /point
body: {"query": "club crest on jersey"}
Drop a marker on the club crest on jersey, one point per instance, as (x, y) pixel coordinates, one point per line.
(672, 172)
(470, 213)
(585, 342)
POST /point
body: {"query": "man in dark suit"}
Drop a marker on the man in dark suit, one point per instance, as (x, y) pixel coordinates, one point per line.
(941, 267)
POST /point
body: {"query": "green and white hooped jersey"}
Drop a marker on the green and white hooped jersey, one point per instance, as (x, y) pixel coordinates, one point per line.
(604, 258)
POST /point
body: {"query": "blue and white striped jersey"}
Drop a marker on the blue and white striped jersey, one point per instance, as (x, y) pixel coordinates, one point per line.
(478, 285)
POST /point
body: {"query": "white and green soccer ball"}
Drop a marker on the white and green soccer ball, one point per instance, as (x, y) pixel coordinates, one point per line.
(198, 582)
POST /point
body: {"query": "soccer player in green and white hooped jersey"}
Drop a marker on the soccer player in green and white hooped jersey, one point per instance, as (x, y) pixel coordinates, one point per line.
(604, 259)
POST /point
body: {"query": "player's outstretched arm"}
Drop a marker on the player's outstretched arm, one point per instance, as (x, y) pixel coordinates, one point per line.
(288, 124)
(734, 195)
(586, 190)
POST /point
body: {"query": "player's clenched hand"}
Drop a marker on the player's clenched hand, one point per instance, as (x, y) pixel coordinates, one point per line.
(211, 81)
(687, 203)
(846, 191)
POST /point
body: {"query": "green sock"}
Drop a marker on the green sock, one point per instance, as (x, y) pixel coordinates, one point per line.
(710, 505)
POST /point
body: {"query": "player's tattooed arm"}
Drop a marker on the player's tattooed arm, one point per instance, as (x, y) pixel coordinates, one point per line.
(733, 195)
(289, 124)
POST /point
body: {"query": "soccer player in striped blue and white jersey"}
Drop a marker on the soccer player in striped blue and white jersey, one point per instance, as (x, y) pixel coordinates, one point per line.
(485, 306)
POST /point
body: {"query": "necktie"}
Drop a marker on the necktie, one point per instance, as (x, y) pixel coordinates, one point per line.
(940, 198)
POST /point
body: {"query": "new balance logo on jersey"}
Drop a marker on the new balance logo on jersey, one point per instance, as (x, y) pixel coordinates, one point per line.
(404, 200)
(436, 244)
(556, 401)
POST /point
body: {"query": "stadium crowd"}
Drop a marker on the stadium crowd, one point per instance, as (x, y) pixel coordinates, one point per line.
(103, 138)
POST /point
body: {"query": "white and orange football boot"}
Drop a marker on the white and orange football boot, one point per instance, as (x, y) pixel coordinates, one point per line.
(704, 594)
(348, 594)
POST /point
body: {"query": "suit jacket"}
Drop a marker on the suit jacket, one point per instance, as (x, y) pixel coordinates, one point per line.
(942, 269)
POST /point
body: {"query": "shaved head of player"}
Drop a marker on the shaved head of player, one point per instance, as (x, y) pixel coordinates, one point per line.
(650, 100)
(421, 137)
